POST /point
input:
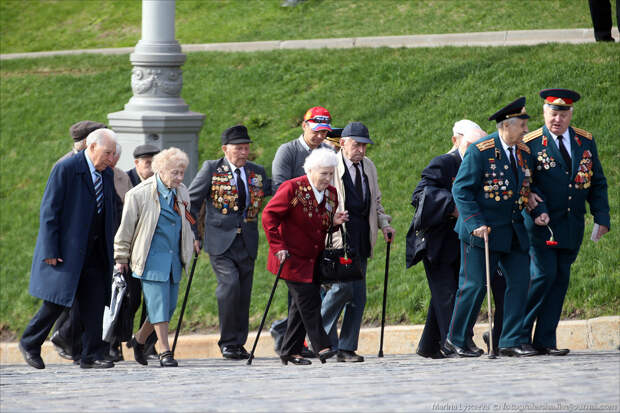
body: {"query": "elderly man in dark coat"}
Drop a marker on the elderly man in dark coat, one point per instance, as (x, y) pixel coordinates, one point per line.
(73, 255)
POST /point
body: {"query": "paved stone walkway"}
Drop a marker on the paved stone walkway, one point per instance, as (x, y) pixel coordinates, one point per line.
(582, 381)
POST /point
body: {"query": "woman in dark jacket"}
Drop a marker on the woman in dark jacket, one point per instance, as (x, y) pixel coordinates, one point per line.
(296, 221)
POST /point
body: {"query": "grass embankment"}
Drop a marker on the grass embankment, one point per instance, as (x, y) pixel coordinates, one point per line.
(409, 99)
(28, 26)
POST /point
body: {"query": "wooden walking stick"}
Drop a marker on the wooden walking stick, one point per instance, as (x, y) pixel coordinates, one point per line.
(488, 271)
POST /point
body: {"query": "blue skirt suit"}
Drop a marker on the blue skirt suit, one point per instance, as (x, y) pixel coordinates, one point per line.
(162, 271)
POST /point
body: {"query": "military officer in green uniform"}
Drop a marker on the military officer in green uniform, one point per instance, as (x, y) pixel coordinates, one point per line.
(566, 173)
(491, 188)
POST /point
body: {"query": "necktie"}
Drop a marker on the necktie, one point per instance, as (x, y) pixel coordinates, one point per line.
(513, 162)
(358, 180)
(99, 192)
(564, 152)
(240, 190)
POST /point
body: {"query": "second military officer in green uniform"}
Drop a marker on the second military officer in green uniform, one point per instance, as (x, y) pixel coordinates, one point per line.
(491, 188)
(566, 173)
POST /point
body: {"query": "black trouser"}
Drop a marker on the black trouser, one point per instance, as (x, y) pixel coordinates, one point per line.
(304, 315)
(443, 280)
(67, 326)
(600, 10)
(90, 299)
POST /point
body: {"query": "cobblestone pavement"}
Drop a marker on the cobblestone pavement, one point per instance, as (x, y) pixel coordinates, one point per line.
(581, 381)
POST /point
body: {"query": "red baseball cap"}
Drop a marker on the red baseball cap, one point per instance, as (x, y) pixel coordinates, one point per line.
(318, 118)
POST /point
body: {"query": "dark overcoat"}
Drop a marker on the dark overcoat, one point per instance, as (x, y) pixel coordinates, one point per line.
(67, 210)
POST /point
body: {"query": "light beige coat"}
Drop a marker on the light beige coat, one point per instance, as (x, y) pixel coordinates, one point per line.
(140, 215)
(377, 218)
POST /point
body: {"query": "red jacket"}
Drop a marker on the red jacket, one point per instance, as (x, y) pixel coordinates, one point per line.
(293, 221)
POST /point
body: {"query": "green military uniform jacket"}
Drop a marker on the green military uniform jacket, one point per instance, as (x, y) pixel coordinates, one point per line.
(565, 193)
(486, 192)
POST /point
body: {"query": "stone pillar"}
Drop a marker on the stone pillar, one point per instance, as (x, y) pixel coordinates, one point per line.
(156, 113)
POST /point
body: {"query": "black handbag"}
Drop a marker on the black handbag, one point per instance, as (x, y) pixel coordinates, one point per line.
(337, 265)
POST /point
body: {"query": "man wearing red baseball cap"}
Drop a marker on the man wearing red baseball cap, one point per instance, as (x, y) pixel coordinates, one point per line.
(289, 160)
(567, 173)
(288, 163)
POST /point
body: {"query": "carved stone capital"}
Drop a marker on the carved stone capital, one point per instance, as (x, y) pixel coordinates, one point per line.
(157, 81)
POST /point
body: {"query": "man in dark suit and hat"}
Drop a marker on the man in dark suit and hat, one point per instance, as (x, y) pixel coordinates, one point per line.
(142, 158)
(567, 172)
(234, 189)
(73, 255)
(491, 188)
(431, 239)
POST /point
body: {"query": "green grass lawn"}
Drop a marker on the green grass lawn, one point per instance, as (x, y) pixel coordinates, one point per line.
(36, 25)
(409, 99)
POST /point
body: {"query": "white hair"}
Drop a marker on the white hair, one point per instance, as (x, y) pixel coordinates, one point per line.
(464, 126)
(320, 158)
(169, 158)
(119, 149)
(97, 135)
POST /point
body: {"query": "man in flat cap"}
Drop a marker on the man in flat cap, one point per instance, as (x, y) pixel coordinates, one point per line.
(356, 180)
(234, 189)
(79, 131)
(567, 172)
(288, 163)
(491, 188)
(432, 239)
(142, 159)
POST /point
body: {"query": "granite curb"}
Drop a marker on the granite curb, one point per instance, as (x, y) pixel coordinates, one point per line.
(499, 38)
(602, 333)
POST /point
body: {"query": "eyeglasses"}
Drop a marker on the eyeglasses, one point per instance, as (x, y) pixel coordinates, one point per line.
(320, 119)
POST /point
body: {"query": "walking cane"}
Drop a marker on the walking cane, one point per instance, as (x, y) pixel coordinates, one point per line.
(189, 284)
(385, 283)
(262, 323)
(486, 259)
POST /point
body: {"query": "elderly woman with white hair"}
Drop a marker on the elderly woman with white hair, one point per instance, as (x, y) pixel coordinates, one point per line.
(296, 221)
(156, 238)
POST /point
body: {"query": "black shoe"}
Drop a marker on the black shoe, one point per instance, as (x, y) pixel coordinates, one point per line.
(552, 351)
(243, 353)
(451, 350)
(518, 351)
(485, 338)
(115, 354)
(471, 346)
(436, 355)
(138, 351)
(300, 361)
(323, 356)
(96, 364)
(33, 359)
(62, 347)
(231, 353)
(307, 353)
(349, 356)
(166, 360)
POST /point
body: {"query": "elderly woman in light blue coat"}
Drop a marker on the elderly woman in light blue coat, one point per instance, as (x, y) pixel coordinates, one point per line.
(155, 239)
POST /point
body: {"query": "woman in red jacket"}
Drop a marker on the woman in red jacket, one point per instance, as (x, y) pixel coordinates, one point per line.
(296, 221)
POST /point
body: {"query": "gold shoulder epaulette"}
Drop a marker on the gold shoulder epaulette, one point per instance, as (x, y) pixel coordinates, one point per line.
(487, 144)
(532, 135)
(524, 147)
(583, 133)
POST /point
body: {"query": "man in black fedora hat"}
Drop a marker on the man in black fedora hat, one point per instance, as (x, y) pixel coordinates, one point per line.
(232, 189)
